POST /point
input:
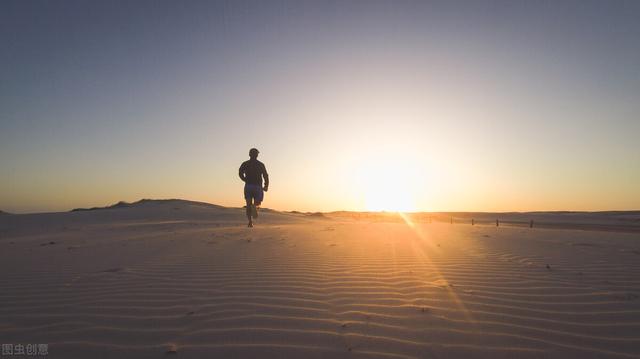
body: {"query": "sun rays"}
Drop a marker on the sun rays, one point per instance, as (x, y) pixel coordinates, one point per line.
(422, 254)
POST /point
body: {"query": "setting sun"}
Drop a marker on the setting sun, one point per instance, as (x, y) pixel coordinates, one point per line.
(390, 181)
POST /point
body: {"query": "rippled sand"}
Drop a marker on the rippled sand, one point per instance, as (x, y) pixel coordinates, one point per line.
(190, 281)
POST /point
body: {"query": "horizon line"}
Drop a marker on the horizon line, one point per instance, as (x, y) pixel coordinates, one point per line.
(125, 203)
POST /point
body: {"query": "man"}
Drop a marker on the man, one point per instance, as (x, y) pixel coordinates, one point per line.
(251, 173)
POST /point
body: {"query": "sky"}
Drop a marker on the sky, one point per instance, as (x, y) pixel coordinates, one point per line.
(354, 105)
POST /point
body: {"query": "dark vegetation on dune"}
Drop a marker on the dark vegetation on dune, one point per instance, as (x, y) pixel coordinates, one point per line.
(120, 204)
(316, 214)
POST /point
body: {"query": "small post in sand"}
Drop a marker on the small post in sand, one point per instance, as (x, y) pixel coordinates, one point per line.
(473, 221)
(531, 224)
(451, 220)
(497, 223)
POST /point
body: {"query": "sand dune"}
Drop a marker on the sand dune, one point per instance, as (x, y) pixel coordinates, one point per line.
(189, 280)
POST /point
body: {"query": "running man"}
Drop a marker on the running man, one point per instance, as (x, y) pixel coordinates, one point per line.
(251, 173)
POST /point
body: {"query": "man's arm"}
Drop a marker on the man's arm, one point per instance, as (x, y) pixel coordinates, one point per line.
(241, 173)
(266, 178)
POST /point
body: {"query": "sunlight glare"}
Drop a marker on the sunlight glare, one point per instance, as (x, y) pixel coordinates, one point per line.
(390, 182)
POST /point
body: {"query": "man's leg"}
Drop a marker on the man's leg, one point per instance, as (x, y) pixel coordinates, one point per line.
(259, 196)
(249, 211)
(255, 208)
(248, 197)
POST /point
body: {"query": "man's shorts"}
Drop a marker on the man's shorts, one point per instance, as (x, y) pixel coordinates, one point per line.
(253, 191)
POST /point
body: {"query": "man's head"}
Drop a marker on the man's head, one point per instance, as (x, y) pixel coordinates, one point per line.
(253, 153)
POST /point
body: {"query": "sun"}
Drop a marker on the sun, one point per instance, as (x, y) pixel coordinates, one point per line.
(398, 200)
(389, 183)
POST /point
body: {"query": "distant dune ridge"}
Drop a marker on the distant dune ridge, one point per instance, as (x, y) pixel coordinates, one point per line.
(188, 279)
(624, 221)
(619, 221)
(123, 204)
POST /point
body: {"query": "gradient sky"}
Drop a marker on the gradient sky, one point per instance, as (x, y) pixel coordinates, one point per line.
(445, 105)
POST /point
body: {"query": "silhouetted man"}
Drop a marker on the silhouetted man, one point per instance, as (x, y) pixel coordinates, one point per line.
(251, 173)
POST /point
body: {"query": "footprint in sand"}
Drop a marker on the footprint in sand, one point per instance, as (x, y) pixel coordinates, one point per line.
(172, 349)
(113, 270)
(442, 283)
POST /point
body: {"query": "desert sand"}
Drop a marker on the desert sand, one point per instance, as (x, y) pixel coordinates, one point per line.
(188, 280)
